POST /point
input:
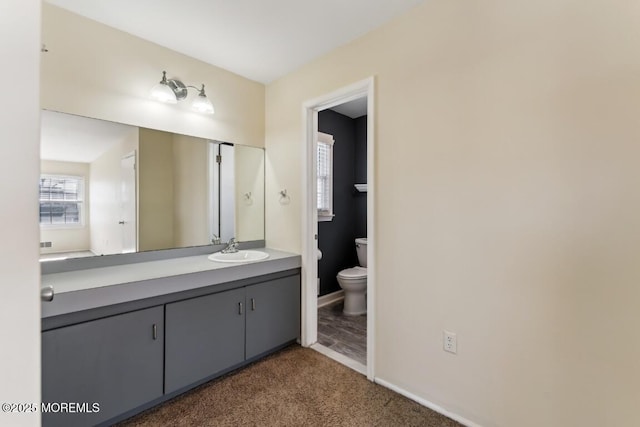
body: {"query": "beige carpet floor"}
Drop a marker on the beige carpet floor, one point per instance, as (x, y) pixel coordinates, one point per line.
(293, 387)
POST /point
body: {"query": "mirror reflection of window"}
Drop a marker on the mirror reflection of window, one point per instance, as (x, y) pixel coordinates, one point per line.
(61, 200)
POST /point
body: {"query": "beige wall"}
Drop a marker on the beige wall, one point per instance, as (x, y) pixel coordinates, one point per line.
(106, 195)
(96, 71)
(19, 157)
(174, 196)
(249, 178)
(507, 208)
(68, 239)
(155, 195)
(191, 191)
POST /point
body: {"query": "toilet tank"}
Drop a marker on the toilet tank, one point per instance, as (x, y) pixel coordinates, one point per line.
(361, 249)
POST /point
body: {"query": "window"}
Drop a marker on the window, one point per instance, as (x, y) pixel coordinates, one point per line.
(324, 168)
(61, 199)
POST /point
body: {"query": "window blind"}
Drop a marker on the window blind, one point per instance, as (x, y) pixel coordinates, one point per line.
(61, 199)
(324, 177)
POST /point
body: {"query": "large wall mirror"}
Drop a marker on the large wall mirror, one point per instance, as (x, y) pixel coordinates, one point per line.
(109, 188)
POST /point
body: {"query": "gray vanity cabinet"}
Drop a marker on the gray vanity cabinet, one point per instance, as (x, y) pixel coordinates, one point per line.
(128, 358)
(273, 314)
(204, 335)
(116, 362)
(210, 334)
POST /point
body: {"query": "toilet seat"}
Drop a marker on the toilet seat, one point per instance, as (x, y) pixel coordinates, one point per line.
(353, 273)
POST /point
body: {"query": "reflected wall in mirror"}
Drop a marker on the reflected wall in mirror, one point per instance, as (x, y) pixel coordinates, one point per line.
(108, 188)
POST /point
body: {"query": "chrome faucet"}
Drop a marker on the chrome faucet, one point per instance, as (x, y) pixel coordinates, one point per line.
(232, 246)
(216, 240)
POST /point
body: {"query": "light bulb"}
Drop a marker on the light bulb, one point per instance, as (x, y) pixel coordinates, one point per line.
(201, 104)
(163, 93)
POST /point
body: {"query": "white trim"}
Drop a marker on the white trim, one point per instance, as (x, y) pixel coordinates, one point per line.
(136, 186)
(340, 358)
(371, 235)
(309, 307)
(310, 109)
(211, 192)
(424, 402)
(327, 299)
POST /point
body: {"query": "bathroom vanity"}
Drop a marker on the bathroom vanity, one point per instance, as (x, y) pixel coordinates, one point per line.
(120, 339)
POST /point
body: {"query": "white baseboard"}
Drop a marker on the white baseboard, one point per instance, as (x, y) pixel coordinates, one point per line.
(340, 358)
(330, 298)
(439, 409)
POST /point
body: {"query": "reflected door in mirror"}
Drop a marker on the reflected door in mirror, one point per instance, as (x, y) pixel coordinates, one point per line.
(128, 204)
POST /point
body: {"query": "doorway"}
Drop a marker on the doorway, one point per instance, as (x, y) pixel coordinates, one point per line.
(311, 109)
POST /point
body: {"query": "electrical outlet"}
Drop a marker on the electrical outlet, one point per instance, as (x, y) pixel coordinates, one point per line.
(450, 342)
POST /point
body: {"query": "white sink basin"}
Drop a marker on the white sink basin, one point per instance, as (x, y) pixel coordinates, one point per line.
(240, 256)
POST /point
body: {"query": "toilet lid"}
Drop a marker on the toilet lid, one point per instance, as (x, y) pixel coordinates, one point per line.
(353, 273)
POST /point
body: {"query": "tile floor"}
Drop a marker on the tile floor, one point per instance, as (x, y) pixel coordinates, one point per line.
(346, 335)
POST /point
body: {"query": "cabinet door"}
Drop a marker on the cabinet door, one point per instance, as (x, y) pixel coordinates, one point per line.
(273, 314)
(204, 336)
(115, 362)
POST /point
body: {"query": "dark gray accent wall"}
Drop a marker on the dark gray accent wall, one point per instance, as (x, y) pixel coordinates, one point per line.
(336, 239)
(360, 199)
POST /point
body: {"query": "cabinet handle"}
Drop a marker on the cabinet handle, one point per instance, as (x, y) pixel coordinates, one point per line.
(253, 304)
(239, 308)
(155, 331)
(46, 293)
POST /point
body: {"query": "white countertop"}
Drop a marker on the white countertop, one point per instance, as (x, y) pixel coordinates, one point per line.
(107, 276)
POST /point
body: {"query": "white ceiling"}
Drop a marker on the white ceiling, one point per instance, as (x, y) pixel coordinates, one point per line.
(258, 39)
(69, 138)
(354, 109)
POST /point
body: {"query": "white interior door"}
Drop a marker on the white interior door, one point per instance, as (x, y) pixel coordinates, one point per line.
(128, 215)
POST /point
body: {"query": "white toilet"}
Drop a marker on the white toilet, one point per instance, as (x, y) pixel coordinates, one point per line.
(354, 283)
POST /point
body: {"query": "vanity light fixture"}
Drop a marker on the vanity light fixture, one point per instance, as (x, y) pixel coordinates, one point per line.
(172, 90)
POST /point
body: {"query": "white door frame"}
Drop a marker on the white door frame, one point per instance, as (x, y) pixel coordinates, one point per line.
(124, 218)
(310, 111)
